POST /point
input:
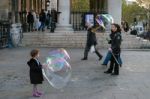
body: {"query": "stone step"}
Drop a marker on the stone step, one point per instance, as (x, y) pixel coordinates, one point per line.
(75, 40)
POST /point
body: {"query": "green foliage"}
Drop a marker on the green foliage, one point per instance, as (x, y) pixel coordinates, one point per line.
(129, 12)
(78, 5)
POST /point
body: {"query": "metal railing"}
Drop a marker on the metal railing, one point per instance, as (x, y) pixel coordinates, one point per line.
(4, 33)
(78, 19)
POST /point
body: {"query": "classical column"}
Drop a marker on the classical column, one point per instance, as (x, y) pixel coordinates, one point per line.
(48, 4)
(64, 16)
(115, 9)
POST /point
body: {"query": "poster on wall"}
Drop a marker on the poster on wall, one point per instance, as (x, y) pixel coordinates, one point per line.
(89, 18)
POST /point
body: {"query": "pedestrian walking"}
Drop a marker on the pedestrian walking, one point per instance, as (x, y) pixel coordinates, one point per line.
(91, 41)
(30, 21)
(53, 20)
(35, 19)
(48, 19)
(37, 23)
(42, 18)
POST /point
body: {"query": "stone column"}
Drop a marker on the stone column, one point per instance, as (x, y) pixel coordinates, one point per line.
(49, 6)
(64, 16)
(115, 9)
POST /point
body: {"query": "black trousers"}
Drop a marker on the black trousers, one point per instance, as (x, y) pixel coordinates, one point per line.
(114, 65)
(30, 28)
(87, 49)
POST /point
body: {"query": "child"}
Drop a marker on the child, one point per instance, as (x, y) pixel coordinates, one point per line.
(36, 76)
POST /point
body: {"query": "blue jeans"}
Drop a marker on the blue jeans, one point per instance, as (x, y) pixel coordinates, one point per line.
(42, 26)
(108, 57)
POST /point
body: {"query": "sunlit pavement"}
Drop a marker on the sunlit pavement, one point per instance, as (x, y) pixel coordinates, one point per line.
(87, 82)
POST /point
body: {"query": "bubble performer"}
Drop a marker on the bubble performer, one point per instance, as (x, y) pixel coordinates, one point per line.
(91, 41)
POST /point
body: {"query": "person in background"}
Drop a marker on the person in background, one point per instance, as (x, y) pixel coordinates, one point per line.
(30, 21)
(42, 19)
(48, 19)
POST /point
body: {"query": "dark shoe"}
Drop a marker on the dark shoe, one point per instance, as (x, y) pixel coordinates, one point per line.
(107, 72)
(100, 57)
(113, 74)
(84, 59)
(104, 64)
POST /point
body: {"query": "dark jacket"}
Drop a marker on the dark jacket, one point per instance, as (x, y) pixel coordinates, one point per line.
(30, 18)
(36, 76)
(116, 43)
(91, 38)
(111, 37)
(42, 17)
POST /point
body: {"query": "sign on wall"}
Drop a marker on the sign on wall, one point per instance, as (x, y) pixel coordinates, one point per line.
(89, 18)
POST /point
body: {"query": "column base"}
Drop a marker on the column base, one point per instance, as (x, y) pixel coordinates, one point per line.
(64, 28)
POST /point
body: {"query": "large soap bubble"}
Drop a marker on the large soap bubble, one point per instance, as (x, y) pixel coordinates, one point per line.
(107, 18)
(57, 70)
(59, 53)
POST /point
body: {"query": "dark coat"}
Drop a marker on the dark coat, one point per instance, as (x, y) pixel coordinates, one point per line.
(91, 38)
(111, 37)
(42, 17)
(30, 18)
(116, 43)
(36, 76)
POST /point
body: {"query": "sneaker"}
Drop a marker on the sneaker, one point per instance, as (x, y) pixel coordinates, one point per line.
(36, 95)
(114, 74)
(39, 93)
(107, 72)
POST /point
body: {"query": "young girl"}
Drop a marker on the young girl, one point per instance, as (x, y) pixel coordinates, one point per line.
(115, 50)
(36, 76)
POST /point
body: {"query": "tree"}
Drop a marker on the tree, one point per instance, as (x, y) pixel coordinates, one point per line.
(146, 4)
(129, 12)
(80, 5)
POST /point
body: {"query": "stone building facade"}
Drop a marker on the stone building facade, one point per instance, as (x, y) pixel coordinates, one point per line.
(19, 8)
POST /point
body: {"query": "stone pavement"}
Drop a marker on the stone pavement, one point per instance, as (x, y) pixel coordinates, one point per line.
(88, 80)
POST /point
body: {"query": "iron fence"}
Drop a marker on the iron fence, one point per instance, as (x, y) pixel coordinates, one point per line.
(4, 33)
(78, 19)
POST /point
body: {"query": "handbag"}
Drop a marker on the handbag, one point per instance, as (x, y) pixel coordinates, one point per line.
(92, 49)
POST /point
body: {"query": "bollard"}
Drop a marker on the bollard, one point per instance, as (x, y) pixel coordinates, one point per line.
(15, 34)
